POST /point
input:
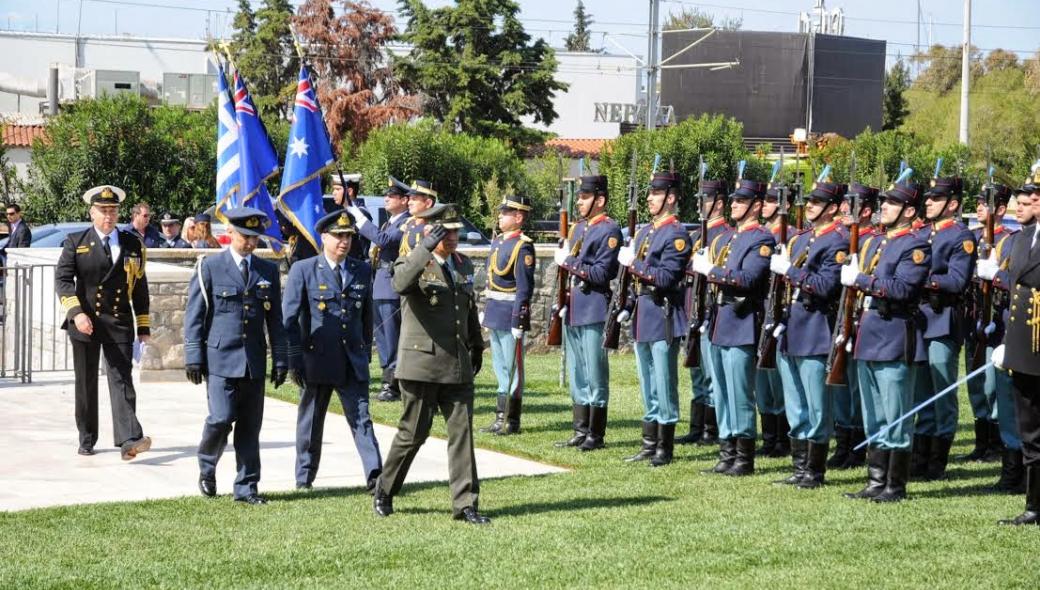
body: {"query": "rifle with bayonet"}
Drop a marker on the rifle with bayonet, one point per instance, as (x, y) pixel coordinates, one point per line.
(612, 329)
(845, 324)
(698, 284)
(563, 279)
(985, 310)
(777, 284)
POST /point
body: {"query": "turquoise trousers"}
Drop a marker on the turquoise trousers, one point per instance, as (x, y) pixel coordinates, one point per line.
(886, 388)
(587, 368)
(658, 363)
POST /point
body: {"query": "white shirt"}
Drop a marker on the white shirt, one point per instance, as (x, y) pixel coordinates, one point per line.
(113, 242)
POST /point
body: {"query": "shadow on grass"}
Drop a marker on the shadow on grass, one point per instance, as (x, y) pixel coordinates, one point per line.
(575, 504)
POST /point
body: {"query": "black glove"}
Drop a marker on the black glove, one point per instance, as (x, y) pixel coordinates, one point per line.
(195, 373)
(296, 375)
(278, 375)
(476, 358)
(437, 233)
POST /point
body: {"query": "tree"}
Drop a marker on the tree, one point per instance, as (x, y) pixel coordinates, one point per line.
(695, 18)
(262, 49)
(942, 67)
(579, 39)
(1001, 59)
(1032, 74)
(894, 106)
(478, 70)
(355, 84)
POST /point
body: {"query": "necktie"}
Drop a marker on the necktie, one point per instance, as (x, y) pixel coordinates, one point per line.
(447, 275)
(339, 277)
(108, 249)
(244, 267)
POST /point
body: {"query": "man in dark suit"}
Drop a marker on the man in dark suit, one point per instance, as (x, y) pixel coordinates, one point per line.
(101, 283)
(21, 236)
(232, 296)
(141, 225)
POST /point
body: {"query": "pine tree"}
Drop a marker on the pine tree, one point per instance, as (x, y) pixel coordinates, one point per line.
(579, 39)
(894, 105)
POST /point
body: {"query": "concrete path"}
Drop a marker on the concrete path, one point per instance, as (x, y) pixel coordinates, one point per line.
(39, 466)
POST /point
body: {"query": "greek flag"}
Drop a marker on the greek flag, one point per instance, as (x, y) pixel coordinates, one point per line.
(227, 144)
(258, 161)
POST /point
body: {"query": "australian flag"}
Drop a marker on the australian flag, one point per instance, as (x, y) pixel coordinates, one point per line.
(227, 144)
(258, 162)
(308, 157)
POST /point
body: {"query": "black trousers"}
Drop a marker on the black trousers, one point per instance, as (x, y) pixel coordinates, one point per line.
(1026, 391)
(118, 360)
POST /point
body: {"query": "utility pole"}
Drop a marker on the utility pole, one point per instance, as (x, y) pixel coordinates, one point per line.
(652, 66)
(965, 72)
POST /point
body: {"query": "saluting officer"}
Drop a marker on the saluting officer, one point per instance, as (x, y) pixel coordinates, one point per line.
(345, 191)
(421, 197)
(656, 258)
(386, 246)
(327, 309)
(741, 279)
(590, 256)
(507, 310)
(102, 287)
(441, 351)
(812, 267)
(952, 267)
(232, 296)
(888, 340)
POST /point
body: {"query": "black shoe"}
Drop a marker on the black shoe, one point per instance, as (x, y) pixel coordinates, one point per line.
(597, 429)
(877, 475)
(649, 443)
(711, 428)
(815, 466)
(799, 458)
(783, 436)
(922, 450)
(665, 445)
(996, 444)
(938, 459)
(207, 486)
(133, 448)
(1032, 512)
(252, 500)
(304, 486)
(696, 425)
(896, 477)
(494, 427)
(842, 440)
(981, 442)
(382, 503)
(470, 515)
(1012, 473)
(857, 457)
(744, 464)
(727, 454)
(86, 451)
(768, 434)
(581, 427)
(514, 406)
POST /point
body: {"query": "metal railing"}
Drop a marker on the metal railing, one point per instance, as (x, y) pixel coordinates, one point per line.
(31, 338)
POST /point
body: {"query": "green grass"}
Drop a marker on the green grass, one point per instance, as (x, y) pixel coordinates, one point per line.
(605, 524)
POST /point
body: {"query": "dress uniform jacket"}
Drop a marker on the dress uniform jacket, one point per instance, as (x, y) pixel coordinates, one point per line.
(510, 274)
(1022, 340)
(815, 280)
(227, 335)
(953, 264)
(716, 227)
(387, 243)
(593, 265)
(411, 235)
(662, 252)
(325, 323)
(439, 326)
(893, 269)
(741, 277)
(113, 295)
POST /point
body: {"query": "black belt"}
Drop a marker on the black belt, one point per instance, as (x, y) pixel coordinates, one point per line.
(887, 308)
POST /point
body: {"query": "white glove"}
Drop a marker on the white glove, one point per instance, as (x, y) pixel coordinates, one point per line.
(480, 318)
(850, 272)
(781, 262)
(626, 255)
(998, 357)
(563, 312)
(623, 316)
(517, 333)
(990, 328)
(359, 217)
(561, 254)
(987, 268)
(702, 263)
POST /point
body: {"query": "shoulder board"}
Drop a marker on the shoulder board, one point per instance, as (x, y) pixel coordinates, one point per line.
(526, 239)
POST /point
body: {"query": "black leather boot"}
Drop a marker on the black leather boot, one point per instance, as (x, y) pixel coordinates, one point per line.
(696, 425)
(711, 428)
(1032, 513)
(842, 438)
(799, 458)
(597, 429)
(896, 477)
(500, 416)
(1012, 473)
(783, 436)
(514, 407)
(744, 464)
(981, 442)
(922, 450)
(877, 475)
(382, 503)
(857, 457)
(815, 466)
(768, 435)
(581, 427)
(996, 443)
(649, 443)
(727, 454)
(939, 458)
(665, 445)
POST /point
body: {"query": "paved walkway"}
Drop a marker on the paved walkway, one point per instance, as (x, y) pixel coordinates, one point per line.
(39, 466)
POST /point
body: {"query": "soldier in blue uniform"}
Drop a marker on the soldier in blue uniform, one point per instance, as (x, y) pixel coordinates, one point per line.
(171, 232)
(656, 258)
(231, 298)
(704, 427)
(889, 339)
(740, 278)
(327, 310)
(507, 309)
(590, 256)
(421, 197)
(812, 267)
(953, 266)
(386, 246)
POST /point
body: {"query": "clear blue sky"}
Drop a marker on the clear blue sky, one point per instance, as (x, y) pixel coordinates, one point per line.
(1008, 24)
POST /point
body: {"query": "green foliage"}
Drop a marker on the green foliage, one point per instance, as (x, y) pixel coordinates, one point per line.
(579, 39)
(9, 185)
(894, 104)
(695, 18)
(262, 49)
(943, 67)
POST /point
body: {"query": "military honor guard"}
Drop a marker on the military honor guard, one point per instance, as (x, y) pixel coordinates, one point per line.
(888, 341)
(421, 197)
(101, 283)
(656, 258)
(952, 268)
(589, 255)
(327, 309)
(386, 247)
(231, 299)
(440, 352)
(171, 232)
(346, 189)
(507, 310)
(740, 275)
(812, 268)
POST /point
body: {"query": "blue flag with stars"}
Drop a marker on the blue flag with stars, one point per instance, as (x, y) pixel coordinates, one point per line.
(258, 162)
(308, 157)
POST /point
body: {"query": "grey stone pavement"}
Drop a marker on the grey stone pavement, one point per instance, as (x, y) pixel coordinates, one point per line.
(39, 466)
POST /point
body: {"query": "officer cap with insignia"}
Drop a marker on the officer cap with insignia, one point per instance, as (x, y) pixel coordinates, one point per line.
(103, 195)
(951, 186)
(516, 203)
(169, 219)
(868, 195)
(337, 222)
(596, 185)
(828, 192)
(396, 187)
(247, 220)
(445, 214)
(423, 188)
(749, 189)
(665, 181)
(908, 193)
(351, 179)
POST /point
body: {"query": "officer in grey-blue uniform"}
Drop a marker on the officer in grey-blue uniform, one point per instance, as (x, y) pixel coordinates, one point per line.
(889, 339)
(953, 266)
(590, 256)
(740, 279)
(507, 310)
(386, 246)
(231, 299)
(656, 258)
(327, 309)
(812, 266)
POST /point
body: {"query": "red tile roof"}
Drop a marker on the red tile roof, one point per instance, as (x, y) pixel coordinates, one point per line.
(21, 135)
(590, 147)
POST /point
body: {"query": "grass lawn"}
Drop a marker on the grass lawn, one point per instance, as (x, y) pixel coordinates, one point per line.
(605, 524)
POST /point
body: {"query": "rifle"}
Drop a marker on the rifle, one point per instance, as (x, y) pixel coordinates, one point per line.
(698, 286)
(612, 329)
(563, 279)
(985, 312)
(777, 286)
(838, 358)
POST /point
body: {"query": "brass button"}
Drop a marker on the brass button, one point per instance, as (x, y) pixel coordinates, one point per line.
(119, 290)
(246, 307)
(243, 336)
(245, 321)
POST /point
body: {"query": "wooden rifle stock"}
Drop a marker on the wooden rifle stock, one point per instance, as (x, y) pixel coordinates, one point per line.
(698, 294)
(985, 312)
(838, 359)
(555, 334)
(774, 304)
(612, 329)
